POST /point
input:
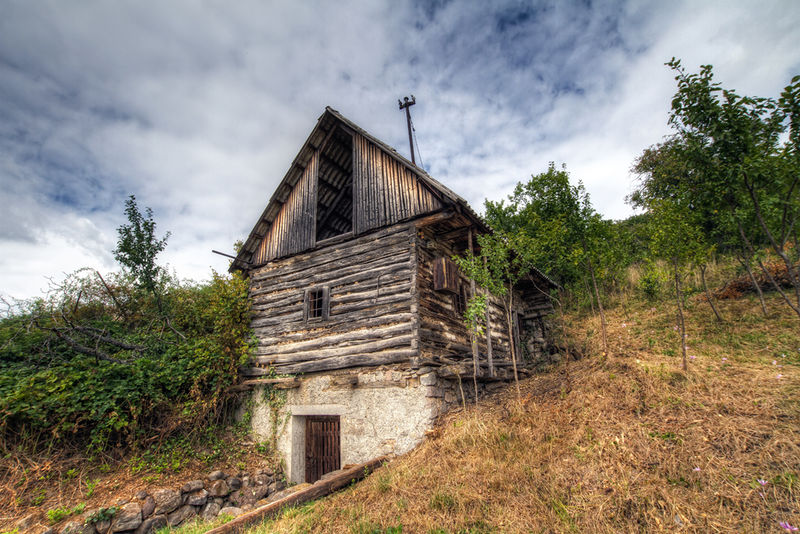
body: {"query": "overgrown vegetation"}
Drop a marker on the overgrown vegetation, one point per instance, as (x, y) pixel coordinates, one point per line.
(132, 364)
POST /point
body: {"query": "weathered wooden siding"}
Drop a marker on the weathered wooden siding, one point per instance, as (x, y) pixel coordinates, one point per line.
(372, 288)
(385, 191)
(442, 331)
(292, 230)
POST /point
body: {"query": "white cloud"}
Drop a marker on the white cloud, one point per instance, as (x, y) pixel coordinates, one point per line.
(199, 108)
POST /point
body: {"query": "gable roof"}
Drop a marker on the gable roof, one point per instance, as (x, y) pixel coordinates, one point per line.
(326, 124)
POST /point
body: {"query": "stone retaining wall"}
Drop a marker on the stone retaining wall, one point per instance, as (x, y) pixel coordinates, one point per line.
(217, 494)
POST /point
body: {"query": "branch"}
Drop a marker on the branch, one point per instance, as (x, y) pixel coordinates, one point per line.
(113, 297)
(85, 350)
(97, 334)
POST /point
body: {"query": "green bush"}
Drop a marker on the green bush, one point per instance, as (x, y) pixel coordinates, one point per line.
(169, 364)
(651, 280)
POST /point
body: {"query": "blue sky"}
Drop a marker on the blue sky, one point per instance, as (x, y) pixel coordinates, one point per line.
(198, 108)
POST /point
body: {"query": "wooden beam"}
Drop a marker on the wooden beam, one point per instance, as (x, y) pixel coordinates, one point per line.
(330, 483)
(434, 218)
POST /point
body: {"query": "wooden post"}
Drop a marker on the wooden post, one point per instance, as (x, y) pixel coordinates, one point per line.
(406, 105)
(472, 336)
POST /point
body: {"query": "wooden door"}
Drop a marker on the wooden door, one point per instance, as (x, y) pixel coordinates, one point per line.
(322, 446)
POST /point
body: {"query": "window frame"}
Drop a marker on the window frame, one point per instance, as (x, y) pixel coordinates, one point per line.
(307, 301)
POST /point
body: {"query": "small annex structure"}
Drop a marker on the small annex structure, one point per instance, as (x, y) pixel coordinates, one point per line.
(358, 308)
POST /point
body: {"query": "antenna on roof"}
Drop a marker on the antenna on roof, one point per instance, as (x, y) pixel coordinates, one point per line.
(406, 104)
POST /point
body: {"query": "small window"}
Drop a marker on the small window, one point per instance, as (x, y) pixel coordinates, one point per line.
(316, 304)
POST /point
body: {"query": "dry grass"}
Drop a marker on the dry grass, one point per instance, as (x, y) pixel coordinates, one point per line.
(626, 443)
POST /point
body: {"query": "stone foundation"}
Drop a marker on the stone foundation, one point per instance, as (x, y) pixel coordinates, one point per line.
(381, 411)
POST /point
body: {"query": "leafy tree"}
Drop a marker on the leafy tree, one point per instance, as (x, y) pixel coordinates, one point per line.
(676, 238)
(733, 160)
(503, 261)
(563, 235)
(138, 246)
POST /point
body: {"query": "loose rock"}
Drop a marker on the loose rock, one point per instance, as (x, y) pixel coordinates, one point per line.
(197, 498)
(216, 475)
(148, 507)
(181, 514)
(218, 488)
(166, 501)
(127, 518)
(152, 524)
(192, 485)
(210, 511)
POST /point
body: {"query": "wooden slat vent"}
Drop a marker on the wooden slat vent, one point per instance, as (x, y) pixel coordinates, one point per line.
(445, 275)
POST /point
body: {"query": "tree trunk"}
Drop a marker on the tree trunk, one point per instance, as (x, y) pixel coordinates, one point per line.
(778, 245)
(778, 288)
(473, 338)
(709, 296)
(679, 300)
(599, 307)
(509, 320)
(746, 264)
(589, 292)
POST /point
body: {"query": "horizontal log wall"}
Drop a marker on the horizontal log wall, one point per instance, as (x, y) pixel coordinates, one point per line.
(373, 313)
(442, 331)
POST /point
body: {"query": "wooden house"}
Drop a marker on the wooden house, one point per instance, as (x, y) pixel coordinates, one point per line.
(355, 298)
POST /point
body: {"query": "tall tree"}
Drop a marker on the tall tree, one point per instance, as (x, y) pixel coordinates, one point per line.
(733, 155)
(567, 238)
(138, 246)
(675, 238)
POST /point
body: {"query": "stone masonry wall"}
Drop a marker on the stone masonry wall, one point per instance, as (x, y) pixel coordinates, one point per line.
(218, 494)
(383, 410)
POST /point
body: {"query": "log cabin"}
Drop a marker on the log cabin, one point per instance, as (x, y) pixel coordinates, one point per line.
(358, 308)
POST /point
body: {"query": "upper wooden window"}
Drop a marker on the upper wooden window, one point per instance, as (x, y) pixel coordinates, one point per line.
(316, 304)
(335, 186)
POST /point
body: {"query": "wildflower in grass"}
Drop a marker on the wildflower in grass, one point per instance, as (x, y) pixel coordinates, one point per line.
(774, 362)
(696, 469)
(779, 376)
(786, 526)
(624, 325)
(692, 357)
(762, 482)
(724, 359)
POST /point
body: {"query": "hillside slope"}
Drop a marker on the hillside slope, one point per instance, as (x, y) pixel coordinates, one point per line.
(624, 443)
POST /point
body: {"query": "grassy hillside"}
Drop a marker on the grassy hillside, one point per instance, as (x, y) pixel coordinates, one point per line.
(623, 443)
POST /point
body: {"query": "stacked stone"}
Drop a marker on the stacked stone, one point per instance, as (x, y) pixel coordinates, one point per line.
(218, 494)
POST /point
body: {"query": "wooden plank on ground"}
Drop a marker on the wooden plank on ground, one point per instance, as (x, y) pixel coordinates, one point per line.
(320, 488)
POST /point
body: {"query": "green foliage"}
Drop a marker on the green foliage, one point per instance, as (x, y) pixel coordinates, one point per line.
(57, 514)
(138, 246)
(49, 388)
(102, 514)
(732, 166)
(651, 280)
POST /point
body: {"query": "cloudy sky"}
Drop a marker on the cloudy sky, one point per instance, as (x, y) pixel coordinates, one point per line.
(198, 107)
